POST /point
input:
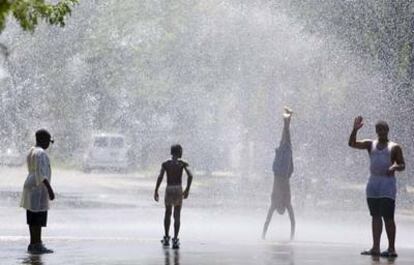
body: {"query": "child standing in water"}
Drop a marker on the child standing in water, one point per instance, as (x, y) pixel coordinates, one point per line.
(282, 170)
(174, 192)
(37, 191)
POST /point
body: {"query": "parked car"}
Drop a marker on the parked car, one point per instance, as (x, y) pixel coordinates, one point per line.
(107, 151)
(11, 157)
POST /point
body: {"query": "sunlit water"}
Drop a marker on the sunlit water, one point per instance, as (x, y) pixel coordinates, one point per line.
(213, 76)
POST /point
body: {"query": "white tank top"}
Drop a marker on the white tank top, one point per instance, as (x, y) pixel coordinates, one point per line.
(380, 184)
(380, 159)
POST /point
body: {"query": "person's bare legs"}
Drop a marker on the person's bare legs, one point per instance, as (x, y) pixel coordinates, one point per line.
(35, 234)
(390, 229)
(177, 220)
(376, 233)
(292, 221)
(167, 220)
(268, 219)
(286, 127)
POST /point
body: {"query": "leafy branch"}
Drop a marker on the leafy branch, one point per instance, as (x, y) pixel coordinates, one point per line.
(29, 12)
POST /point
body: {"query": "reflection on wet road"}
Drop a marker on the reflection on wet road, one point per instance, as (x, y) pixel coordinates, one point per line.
(108, 219)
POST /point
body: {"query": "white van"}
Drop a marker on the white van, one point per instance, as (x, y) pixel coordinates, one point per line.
(107, 151)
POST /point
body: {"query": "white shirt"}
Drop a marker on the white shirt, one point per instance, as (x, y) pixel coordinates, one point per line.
(35, 196)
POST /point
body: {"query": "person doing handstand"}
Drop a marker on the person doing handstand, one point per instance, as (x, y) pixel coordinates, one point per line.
(282, 170)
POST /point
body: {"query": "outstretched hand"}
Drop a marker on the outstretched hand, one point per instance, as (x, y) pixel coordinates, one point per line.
(358, 123)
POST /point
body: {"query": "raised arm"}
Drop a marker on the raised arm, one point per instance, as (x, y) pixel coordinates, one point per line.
(159, 180)
(189, 181)
(398, 163)
(353, 142)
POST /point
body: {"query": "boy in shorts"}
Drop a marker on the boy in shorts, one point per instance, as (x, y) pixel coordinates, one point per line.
(37, 191)
(174, 192)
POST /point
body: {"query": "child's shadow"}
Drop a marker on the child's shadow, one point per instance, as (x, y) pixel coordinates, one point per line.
(376, 260)
(175, 256)
(33, 260)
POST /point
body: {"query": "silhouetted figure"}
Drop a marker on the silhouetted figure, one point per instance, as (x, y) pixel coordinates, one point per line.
(174, 192)
(282, 170)
(37, 191)
(386, 157)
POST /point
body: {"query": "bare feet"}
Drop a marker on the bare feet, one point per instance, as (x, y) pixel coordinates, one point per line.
(288, 112)
(371, 252)
(389, 254)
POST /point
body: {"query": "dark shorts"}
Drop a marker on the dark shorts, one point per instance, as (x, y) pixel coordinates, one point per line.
(36, 218)
(173, 195)
(381, 207)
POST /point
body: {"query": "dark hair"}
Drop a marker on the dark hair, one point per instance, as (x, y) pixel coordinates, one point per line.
(43, 136)
(176, 150)
(382, 124)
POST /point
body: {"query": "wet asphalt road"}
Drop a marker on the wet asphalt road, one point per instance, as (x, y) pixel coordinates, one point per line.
(103, 218)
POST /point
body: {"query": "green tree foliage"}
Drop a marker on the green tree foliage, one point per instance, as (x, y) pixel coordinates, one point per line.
(29, 12)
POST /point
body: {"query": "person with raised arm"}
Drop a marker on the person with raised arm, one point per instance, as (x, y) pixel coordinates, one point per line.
(386, 157)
